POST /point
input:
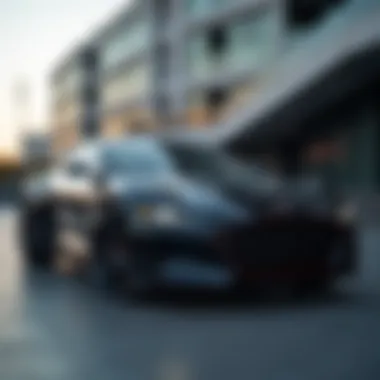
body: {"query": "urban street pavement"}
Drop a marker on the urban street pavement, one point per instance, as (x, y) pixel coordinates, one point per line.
(53, 328)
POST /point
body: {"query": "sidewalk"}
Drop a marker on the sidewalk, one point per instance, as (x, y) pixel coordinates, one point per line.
(26, 353)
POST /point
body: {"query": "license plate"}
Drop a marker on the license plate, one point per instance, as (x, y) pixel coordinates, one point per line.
(189, 272)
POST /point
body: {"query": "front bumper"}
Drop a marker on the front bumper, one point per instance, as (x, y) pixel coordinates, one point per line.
(290, 249)
(281, 250)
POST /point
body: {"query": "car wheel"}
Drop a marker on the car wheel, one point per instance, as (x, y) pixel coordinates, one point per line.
(140, 280)
(120, 266)
(37, 236)
(101, 271)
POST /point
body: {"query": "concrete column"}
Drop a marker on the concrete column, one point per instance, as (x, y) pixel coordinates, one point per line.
(282, 26)
(179, 43)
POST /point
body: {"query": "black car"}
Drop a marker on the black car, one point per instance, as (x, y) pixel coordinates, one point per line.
(149, 212)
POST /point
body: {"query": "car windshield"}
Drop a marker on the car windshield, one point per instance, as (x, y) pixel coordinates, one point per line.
(217, 166)
(136, 158)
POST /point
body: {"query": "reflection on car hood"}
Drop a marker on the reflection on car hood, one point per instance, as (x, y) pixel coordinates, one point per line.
(204, 192)
(164, 184)
(301, 194)
(141, 186)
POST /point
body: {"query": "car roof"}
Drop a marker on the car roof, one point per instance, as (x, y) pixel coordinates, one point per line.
(190, 138)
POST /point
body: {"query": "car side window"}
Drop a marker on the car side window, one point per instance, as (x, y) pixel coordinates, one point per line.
(81, 164)
(137, 159)
(78, 170)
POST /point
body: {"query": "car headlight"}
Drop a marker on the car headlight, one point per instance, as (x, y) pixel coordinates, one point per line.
(157, 215)
(347, 213)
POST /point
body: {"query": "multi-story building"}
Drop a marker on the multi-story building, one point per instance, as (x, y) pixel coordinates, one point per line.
(241, 66)
(169, 63)
(228, 46)
(36, 150)
(318, 113)
(126, 71)
(74, 90)
(172, 63)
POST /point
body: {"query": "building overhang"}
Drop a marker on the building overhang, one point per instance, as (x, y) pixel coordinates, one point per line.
(305, 112)
(306, 84)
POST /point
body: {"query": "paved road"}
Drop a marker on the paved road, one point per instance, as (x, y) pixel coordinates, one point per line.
(53, 328)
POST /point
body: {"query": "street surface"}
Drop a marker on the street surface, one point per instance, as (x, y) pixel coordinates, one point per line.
(53, 328)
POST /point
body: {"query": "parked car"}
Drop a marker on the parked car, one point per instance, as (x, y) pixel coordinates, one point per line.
(150, 212)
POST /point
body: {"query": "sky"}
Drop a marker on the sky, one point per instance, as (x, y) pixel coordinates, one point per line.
(34, 34)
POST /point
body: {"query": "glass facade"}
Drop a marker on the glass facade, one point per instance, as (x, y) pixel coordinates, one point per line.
(68, 104)
(69, 84)
(197, 114)
(202, 111)
(127, 121)
(67, 112)
(253, 41)
(127, 41)
(199, 8)
(249, 43)
(65, 137)
(347, 160)
(133, 83)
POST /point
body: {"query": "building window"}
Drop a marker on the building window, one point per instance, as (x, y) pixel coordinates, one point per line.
(68, 111)
(248, 43)
(197, 7)
(162, 11)
(216, 99)
(70, 83)
(253, 40)
(198, 57)
(132, 84)
(127, 42)
(162, 64)
(206, 55)
(90, 95)
(200, 8)
(217, 40)
(305, 13)
(206, 107)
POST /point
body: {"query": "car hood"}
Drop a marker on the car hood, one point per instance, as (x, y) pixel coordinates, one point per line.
(195, 195)
(142, 187)
(301, 195)
(233, 198)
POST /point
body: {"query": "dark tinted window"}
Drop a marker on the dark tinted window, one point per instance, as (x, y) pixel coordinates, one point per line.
(216, 166)
(78, 169)
(137, 158)
(195, 161)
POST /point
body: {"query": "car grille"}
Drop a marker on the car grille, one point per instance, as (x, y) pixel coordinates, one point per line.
(277, 241)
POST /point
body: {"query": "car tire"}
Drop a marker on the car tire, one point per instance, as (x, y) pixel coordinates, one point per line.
(37, 236)
(140, 282)
(127, 275)
(116, 263)
(100, 270)
(112, 265)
